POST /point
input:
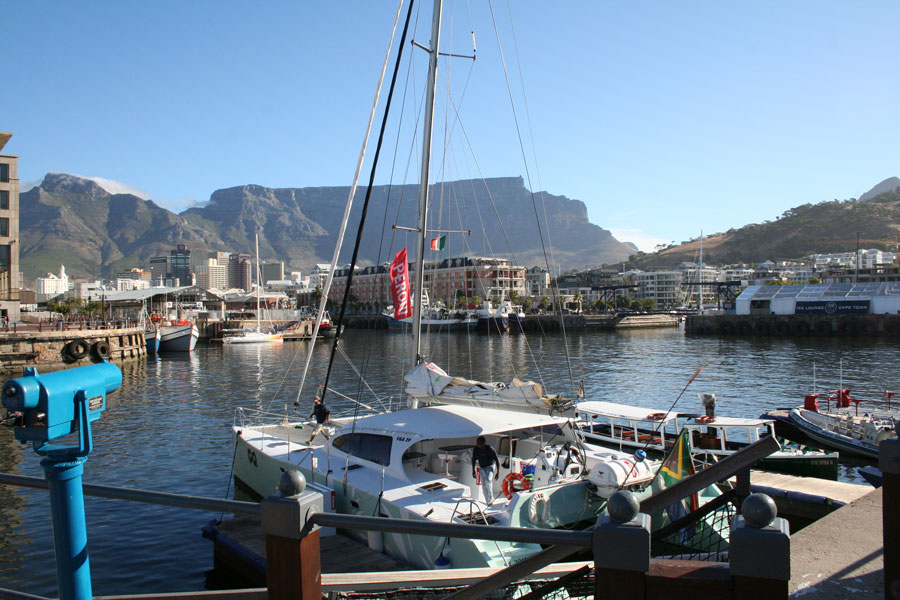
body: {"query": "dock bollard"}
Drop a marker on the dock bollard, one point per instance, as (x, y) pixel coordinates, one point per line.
(293, 564)
(622, 546)
(760, 550)
(889, 463)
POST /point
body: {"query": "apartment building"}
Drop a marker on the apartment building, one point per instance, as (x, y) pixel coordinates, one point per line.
(9, 234)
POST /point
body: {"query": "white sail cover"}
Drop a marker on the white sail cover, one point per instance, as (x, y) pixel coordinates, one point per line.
(428, 381)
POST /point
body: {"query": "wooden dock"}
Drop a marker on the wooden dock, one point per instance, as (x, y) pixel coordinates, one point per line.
(803, 500)
(240, 546)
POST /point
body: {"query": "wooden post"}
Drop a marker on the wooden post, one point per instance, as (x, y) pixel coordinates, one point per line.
(293, 568)
(889, 463)
(293, 564)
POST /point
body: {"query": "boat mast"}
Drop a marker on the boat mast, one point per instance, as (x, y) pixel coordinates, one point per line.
(258, 329)
(700, 276)
(423, 179)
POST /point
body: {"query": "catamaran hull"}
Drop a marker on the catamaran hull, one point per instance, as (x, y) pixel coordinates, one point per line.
(178, 338)
(258, 472)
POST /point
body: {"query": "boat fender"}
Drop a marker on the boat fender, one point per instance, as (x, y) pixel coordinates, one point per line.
(658, 416)
(705, 419)
(533, 503)
(509, 486)
(101, 350)
(77, 349)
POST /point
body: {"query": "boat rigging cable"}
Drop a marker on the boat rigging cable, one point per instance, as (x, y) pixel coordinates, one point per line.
(533, 200)
(346, 218)
(365, 207)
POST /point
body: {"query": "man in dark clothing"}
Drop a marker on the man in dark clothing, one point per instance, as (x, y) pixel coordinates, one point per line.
(323, 418)
(484, 457)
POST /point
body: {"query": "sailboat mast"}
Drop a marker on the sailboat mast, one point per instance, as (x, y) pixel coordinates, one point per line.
(258, 329)
(423, 179)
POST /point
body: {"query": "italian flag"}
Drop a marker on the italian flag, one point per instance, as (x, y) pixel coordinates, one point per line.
(438, 243)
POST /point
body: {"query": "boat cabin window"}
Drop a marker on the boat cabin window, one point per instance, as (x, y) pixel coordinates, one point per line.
(367, 446)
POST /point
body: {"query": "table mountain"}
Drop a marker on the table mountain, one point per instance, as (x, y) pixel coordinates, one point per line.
(74, 221)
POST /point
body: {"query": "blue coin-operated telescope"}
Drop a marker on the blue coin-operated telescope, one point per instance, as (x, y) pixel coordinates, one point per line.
(43, 408)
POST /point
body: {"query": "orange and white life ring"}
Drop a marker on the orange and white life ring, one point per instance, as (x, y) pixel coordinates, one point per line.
(657, 416)
(705, 419)
(509, 485)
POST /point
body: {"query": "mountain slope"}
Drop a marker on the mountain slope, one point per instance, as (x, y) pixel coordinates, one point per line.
(808, 229)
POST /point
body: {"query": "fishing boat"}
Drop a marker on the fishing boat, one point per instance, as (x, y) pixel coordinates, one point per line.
(257, 335)
(848, 422)
(711, 437)
(151, 339)
(416, 463)
(178, 335)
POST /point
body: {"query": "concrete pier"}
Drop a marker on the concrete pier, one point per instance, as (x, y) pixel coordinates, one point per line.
(765, 325)
(54, 350)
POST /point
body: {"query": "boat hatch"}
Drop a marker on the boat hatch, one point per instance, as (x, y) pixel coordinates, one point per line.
(433, 487)
(477, 518)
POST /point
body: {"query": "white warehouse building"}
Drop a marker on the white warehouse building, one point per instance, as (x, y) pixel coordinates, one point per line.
(880, 298)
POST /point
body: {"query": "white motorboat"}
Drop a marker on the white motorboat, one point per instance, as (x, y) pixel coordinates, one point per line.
(847, 422)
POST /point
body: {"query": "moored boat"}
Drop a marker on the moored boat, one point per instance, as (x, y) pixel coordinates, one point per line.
(416, 464)
(711, 437)
(848, 422)
(180, 335)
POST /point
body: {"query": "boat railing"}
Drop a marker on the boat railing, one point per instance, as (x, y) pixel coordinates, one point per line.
(478, 513)
(844, 398)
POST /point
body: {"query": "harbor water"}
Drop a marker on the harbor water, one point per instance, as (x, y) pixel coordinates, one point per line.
(168, 428)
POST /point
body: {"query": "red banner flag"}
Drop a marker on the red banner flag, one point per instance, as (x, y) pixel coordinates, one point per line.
(400, 286)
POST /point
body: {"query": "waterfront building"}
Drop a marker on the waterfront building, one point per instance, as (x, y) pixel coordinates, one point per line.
(87, 291)
(127, 284)
(211, 275)
(824, 299)
(240, 272)
(272, 271)
(52, 285)
(537, 282)
(180, 265)
(446, 281)
(135, 273)
(159, 268)
(662, 287)
(9, 234)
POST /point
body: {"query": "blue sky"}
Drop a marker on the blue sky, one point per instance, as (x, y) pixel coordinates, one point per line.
(663, 118)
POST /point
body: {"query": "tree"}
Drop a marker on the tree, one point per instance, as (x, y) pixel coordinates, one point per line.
(648, 304)
(545, 303)
(528, 303)
(600, 304)
(317, 295)
(577, 300)
(514, 297)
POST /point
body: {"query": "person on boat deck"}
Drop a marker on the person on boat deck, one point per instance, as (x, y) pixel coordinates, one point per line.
(486, 459)
(323, 418)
